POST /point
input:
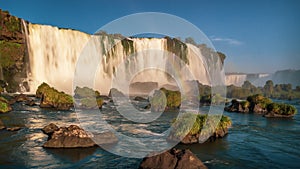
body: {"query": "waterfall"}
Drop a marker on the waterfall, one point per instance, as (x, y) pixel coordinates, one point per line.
(235, 79)
(54, 52)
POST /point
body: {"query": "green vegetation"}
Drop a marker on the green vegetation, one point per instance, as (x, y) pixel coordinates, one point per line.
(4, 105)
(53, 98)
(173, 98)
(178, 48)
(279, 91)
(260, 104)
(281, 109)
(165, 100)
(192, 124)
(260, 100)
(9, 51)
(13, 24)
(85, 92)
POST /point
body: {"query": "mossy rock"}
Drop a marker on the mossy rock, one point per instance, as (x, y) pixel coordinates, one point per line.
(281, 109)
(83, 92)
(89, 103)
(165, 100)
(173, 98)
(189, 126)
(51, 98)
(259, 99)
(4, 105)
(87, 98)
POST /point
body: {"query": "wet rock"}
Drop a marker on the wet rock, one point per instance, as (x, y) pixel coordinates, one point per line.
(2, 126)
(140, 99)
(74, 136)
(51, 98)
(13, 128)
(173, 159)
(4, 105)
(50, 128)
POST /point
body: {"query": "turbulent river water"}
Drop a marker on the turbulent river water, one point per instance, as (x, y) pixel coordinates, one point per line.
(253, 141)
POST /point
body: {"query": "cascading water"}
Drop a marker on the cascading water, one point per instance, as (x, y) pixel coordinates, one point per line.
(54, 52)
(235, 79)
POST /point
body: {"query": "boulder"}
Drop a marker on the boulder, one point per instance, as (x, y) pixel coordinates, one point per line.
(184, 133)
(4, 105)
(74, 136)
(50, 128)
(51, 98)
(173, 159)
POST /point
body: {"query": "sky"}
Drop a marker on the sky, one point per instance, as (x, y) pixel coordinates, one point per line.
(257, 36)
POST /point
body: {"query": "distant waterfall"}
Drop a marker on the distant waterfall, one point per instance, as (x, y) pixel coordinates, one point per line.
(235, 79)
(54, 52)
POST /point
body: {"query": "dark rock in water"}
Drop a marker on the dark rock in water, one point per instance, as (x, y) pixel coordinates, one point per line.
(20, 98)
(173, 159)
(113, 92)
(4, 105)
(2, 126)
(237, 106)
(13, 128)
(105, 138)
(73, 136)
(30, 103)
(141, 99)
(50, 128)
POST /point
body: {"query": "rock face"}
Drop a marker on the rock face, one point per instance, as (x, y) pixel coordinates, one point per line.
(13, 53)
(4, 105)
(51, 98)
(73, 136)
(173, 159)
(262, 105)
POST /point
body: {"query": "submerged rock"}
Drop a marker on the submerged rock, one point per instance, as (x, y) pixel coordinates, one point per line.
(13, 128)
(2, 126)
(4, 105)
(51, 98)
(173, 159)
(74, 136)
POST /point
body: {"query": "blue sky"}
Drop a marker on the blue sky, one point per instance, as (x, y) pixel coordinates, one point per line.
(256, 36)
